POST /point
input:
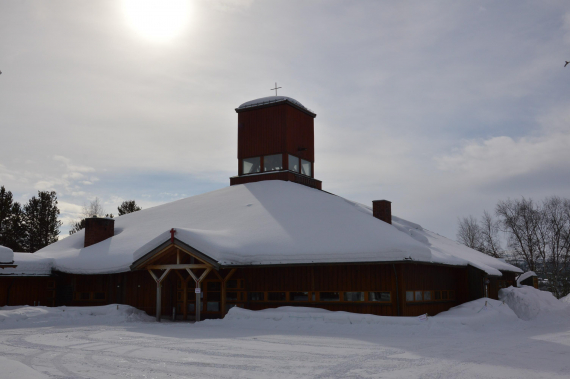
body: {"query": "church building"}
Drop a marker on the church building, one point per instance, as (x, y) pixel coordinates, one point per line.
(272, 238)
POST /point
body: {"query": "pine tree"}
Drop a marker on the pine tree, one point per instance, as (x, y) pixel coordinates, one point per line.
(16, 233)
(41, 220)
(6, 204)
(128, 206)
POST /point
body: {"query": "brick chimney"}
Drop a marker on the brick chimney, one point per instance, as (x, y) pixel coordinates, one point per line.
(382, 210)
(98, 229)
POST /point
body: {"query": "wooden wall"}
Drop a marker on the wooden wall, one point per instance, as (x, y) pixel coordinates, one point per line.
(18, 290)
(275, 129)
(138, 289)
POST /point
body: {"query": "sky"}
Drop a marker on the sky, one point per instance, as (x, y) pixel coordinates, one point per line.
(442, 107)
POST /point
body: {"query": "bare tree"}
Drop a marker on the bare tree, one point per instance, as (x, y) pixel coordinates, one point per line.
(554, 243)
(92, 209)
(469, 233)
(490, 239)
(520, 220)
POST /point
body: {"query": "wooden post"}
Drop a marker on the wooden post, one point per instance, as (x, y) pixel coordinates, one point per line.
(158, 291)
(158, 299)
(198, 302)
(184, 302)
(223, 298)
(198, 281)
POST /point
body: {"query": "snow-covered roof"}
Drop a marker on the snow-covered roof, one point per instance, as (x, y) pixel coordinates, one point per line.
(30, 265)
(525, 276)
(6, 255)
(270, 100)
(265, 223)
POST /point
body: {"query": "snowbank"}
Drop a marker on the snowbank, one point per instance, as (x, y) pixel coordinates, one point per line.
(6, 255)
(476, 314)
(530, 303)
(26, 316)
(566, 299)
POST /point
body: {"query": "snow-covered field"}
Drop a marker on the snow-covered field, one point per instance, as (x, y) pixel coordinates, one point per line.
(470, 341)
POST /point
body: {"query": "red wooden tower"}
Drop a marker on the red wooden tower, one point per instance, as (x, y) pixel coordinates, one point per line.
(276, 141)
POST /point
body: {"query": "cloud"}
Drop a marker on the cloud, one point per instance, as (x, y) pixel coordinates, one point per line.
(504, 157)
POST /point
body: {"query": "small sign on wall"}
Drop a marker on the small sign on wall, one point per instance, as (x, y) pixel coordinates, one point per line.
(197, 290)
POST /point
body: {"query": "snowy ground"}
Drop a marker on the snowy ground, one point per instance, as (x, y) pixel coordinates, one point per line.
(467, 342)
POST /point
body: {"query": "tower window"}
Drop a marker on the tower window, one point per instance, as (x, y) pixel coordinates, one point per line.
(273, 162)
(293, 163)
(251, 165)
(305, 167)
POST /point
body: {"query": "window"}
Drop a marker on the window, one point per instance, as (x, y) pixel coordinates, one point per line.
(354, 296)
(329, 296)
(192, 307)
(418, 296)
(444, 295)
(273, 162)
(379, 296)
(255, 296)
(305, 167)
(437, 295)
(298, 296)
(251, 165)
(276, 296)
(232, 296)
(293, 163)
(99, 296)
(214, 296)
(214, 286)
(213, 306)
(409, 295)
(427, 295)
(234, 283)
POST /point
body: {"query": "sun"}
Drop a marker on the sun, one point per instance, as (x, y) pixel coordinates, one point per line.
(158, 20)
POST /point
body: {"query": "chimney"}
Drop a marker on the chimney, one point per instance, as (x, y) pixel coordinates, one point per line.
(98, 229)
(382, 210)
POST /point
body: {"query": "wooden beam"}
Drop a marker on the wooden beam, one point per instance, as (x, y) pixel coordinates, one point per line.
(192, 275)
(230, 274)
(154, 276)
(224, 281)
(177, 266)
(204, 274)
(163, 275)
(177, 256)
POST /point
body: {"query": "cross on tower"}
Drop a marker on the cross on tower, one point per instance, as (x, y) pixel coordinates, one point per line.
(276, 88)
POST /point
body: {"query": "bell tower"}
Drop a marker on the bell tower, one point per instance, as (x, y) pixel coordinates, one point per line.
(276, 141)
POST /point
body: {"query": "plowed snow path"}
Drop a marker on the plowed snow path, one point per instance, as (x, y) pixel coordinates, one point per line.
(215, 350)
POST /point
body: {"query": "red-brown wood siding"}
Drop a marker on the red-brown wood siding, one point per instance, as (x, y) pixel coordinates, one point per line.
(138, 289)
(273, 130)
(18, 290)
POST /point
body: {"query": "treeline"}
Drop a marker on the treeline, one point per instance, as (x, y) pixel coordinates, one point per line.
(536, 233)
(31, 226)
(34, 225)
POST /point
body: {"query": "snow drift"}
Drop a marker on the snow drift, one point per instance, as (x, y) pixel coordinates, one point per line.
(477, 314)
(6, 255)
(529, 303)
(27, 316)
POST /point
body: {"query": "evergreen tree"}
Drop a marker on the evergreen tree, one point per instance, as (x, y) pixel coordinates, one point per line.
(128, 206)
(41, 219)
(15, 234)
(6, 204)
